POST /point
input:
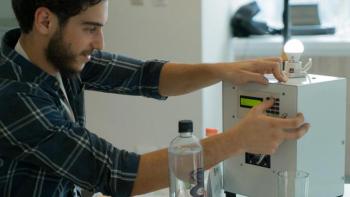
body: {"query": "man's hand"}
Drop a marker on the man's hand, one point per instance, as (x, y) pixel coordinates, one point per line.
(262, 134)
(179, 79)
(251, 71)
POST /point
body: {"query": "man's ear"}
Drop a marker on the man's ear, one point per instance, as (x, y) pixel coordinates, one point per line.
(45, 21)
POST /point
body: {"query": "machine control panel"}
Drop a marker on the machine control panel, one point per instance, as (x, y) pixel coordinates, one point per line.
(246, 102)
(250, 102)
(275, 109)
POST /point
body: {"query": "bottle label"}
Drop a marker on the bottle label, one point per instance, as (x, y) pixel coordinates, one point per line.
(197, 177)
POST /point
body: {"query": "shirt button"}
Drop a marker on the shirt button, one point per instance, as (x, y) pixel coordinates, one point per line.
(56, 83)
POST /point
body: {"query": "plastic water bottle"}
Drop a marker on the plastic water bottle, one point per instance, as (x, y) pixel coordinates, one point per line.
(186, 163)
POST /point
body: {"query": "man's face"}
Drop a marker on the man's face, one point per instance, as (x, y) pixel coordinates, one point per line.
(70, 48)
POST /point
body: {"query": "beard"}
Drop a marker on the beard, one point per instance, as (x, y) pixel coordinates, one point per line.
(61, 56)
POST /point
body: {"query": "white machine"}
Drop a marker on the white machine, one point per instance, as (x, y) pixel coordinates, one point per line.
(321, 152)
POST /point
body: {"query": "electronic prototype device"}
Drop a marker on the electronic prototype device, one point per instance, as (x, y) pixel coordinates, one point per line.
(321, 152)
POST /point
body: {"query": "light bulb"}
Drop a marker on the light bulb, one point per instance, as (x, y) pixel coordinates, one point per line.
(294, 48)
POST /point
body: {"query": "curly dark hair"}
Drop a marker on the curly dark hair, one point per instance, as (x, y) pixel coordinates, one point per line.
(64, 9)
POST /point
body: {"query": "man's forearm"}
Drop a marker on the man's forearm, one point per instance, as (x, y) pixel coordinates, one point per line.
(153, 167)
(178, 79)
(220, 147)
(152, 173)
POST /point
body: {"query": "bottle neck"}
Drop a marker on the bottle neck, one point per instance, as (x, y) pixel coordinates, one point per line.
(186, 134)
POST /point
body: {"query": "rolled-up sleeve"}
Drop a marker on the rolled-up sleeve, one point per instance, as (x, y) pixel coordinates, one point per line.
(113, 73)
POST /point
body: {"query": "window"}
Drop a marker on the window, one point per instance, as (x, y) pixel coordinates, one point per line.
(332, 12)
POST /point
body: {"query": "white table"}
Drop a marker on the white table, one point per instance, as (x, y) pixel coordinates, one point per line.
(165, 192)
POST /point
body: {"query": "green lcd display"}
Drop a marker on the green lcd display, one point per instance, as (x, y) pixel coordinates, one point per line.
(249, 102)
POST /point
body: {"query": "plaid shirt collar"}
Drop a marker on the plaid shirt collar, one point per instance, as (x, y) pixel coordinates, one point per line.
(33, 74)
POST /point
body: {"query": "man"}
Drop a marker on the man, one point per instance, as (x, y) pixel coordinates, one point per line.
(45, 149)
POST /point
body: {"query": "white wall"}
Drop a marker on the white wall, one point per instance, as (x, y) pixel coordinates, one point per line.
(215, 48)
(182, 32)
(7, 18)
(6, 9)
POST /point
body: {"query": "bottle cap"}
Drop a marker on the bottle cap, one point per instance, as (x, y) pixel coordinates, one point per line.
(185, 126)
(211, 131)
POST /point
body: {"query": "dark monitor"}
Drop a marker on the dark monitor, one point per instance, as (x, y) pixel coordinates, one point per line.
(305, 20)
(304, 14)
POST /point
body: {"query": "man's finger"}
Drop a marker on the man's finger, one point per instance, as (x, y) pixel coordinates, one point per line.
(272, 59)
(274, 66)
(262, 107)
(294, 134)
(278, 73)
(290, 123)
(256, 78)
(265, 67)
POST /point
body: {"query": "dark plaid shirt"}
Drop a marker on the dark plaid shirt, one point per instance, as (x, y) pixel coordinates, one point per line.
(44, 153)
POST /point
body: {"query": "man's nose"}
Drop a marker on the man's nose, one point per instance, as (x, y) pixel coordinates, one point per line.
(98, 43)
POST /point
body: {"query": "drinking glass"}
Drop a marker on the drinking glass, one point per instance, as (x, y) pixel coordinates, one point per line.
(292, 184)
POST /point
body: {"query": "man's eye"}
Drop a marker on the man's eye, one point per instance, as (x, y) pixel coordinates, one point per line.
(91, 30)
